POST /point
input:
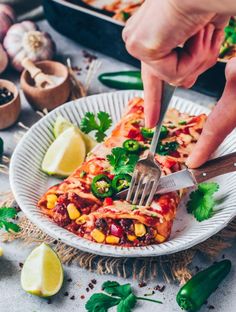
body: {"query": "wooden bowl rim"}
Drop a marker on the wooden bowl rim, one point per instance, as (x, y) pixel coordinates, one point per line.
(33, 88)
(14, 90)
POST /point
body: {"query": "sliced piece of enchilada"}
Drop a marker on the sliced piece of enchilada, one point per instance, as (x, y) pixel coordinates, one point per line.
(73, 205)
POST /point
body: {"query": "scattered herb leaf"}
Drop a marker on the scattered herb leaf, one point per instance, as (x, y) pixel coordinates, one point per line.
(121, 161)
(100, 123)
(101, 303)
(119, 295)
(201, 201)
(182, 122)
(7, 213)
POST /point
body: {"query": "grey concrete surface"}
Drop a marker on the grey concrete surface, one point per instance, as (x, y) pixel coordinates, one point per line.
(14, 299)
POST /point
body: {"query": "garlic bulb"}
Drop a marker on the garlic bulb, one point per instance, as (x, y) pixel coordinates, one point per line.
(3, 59)
(7, 18)
(24, 40)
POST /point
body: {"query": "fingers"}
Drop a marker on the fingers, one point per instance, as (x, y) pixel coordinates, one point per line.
(182, 67)
(152, 96)
(220, 122)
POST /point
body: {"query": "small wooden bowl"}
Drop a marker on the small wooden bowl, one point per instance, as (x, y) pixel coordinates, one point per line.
(48, 98)
(10, 111)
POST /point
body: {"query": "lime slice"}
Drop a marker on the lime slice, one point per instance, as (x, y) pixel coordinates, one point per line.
(42, 273)
(62, 124)
(65, 154)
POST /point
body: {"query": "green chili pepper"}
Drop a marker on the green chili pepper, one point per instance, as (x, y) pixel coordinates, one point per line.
(148, 133)
(101, 186)
(131, 146)
(196, 291)
(121, 182)
(122, 80)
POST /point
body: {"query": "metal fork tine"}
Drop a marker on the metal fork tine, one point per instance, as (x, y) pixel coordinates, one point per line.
(145, 191)
(134, 181)
(139, 189)
(153, 191)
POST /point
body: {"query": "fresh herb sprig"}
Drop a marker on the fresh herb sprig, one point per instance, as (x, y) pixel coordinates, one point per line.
(202, 202)
(121, 296)
(7, 214)
(121, 161)
(100, 124)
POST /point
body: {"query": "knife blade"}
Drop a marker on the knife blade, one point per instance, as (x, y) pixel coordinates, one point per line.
(172, 182)
(191, 177)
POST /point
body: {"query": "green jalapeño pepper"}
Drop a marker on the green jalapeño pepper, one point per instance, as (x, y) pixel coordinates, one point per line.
(148, 133)
(101, 186)
(131, 146)
(196, 291)
(121, 182)
(124, 80)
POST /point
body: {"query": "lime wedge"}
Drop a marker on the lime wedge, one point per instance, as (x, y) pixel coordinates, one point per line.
(62, 124)
(65, 154)
(42, 273)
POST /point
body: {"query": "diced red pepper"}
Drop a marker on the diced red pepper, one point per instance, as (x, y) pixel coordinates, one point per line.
(133, 133)
(108, 201)
(169, 163)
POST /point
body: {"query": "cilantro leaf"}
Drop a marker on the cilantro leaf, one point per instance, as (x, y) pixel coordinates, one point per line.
(7, 213)
(115, 289)
(127, 304)
(201, 201)
(120, 295)
(99, 123)
(101, 303)
(165, 149)
(121, 161)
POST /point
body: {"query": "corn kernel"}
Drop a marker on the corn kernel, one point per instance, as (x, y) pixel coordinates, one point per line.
(98, 236)
(73, 212)
(50, 205)
(81, 220)
(51, 201)
(139, 229)
(160, 238)
(131, 237)
(111, 239)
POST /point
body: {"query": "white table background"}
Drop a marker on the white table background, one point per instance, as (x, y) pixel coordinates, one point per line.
(14, 299)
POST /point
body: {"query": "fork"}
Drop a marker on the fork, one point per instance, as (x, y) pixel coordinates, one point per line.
(147, 171)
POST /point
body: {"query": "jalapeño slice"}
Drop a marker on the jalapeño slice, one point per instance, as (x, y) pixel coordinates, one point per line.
(121, 182)
(101, 186)
(131, 146)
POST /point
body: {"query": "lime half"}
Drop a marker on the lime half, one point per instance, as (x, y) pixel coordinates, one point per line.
(42, 273)
(65, 154)
(62, 124)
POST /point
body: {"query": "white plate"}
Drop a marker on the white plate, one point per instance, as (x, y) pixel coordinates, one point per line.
(28, 183)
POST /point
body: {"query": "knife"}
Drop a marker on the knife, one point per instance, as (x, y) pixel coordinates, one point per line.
(191, 177)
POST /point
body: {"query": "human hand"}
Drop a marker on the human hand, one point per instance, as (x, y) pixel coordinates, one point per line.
(200, 34)
(220, 122)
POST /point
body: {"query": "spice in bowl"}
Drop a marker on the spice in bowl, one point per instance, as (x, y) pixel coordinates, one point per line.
(5, 96)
